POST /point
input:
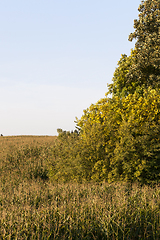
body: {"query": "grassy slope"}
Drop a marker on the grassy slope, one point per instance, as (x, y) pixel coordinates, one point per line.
(31, 207)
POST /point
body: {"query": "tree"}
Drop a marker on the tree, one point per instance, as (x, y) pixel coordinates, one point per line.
(119, 137)
(142, 68)
(119, 86)
(146, 68)
(98, 133)
(137, 152)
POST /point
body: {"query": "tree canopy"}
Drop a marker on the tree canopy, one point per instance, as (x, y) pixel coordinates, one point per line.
(118, 138)
(142, 68)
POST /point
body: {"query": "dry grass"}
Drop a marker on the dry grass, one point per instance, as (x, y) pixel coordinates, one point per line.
(16, 141)
(31, 207)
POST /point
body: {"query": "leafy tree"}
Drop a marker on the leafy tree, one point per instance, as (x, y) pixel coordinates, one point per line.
(146, 68)
(98, 130)
(118, 138)
(137, 151)
(142, 68)
(119, 86)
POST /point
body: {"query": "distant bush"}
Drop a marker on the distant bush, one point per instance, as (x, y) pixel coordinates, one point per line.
(65, 163)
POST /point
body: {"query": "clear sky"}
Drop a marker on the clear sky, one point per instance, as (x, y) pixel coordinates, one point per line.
(56, 58)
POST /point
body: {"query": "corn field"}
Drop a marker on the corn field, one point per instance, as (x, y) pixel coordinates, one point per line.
(33, 207)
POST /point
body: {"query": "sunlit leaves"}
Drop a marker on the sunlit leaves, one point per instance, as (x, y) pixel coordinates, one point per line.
(118, 137)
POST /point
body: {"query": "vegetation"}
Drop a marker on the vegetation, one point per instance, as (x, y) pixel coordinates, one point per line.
(142, 68)
(33, 207)
(102, 180)
(119, 136)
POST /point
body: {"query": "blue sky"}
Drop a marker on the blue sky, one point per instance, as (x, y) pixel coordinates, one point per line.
(56, 58)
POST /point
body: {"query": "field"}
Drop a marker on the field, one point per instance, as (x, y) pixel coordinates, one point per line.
(34, 207)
